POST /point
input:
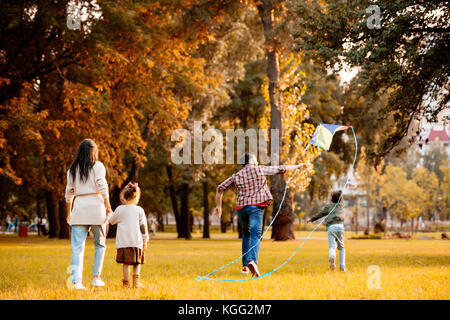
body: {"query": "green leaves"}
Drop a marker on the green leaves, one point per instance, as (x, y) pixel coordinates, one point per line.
(408, 55)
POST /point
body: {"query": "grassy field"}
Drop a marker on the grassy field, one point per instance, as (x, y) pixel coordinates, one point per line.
(35, 268)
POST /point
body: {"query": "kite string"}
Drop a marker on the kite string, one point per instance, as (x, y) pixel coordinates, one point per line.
(198, 278)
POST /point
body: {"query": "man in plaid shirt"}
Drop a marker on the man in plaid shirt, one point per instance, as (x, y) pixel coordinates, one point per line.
(253, 196)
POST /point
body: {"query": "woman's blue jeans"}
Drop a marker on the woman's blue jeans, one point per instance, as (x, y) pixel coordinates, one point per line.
(251, 219)
(78, 239)
(336, 239)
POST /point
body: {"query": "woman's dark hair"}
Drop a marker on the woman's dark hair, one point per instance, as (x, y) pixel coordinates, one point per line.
(336, 196)
(129, 193)
(87, 154)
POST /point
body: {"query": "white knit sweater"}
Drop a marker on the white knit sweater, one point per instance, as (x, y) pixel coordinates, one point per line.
(90, 209)
(129, 218)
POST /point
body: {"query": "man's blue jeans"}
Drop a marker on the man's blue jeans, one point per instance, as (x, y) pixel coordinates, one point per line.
(78, 239)
(251, 218)
(336, 239)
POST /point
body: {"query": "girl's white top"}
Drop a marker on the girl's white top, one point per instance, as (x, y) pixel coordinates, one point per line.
(90, 209)
(129, 218)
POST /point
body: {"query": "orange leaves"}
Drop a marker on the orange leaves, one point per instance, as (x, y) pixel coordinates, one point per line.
(149, 63)
(100, 87)
(4, 82)
(141, 61)
(8, 172)
(20, 127)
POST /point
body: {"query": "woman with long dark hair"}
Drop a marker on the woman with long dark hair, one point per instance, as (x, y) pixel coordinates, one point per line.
(86, 183)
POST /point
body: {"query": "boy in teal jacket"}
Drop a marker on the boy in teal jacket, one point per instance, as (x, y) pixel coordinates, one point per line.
(335, 226)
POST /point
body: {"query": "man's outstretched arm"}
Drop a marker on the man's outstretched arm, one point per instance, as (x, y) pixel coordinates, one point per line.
(271, 170)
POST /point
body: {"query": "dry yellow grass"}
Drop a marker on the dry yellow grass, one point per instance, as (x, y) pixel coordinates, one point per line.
(35, 268)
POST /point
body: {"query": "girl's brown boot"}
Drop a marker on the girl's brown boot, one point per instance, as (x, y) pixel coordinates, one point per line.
(136, 283)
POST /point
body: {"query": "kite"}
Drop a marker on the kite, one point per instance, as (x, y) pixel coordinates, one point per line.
(323, 135)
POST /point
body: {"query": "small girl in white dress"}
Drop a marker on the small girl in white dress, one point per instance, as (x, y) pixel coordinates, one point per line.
(132, 233)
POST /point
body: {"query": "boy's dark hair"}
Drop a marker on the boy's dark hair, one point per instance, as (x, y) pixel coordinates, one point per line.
(336, 196)
(245, 159)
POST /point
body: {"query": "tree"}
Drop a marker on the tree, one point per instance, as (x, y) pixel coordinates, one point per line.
(205, 210)
(426, 168)
(406, 57)
(129, 70)
(323, 95)
(294, 137)
(370, 184)
(37, 52)
(283, 225)
(435, 157)
(444, 193)
(403, 198)
(247, 103)
(429, 184)
(232, 46)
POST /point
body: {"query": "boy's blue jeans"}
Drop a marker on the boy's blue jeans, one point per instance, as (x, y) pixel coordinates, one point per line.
(251, 218)
(78, 239)
(336, 239)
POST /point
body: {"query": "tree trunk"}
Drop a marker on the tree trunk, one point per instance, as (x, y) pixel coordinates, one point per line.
(52, 214)
(205, 210)
(368, 217)
(136, 165)
(64, 230)
(191, 221)
(185, 217)
(223, 226)
(173, 200)
(283, 226)
(39, 215)
(160, 223)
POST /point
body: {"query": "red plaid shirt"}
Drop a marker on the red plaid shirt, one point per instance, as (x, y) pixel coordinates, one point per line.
(251, 184)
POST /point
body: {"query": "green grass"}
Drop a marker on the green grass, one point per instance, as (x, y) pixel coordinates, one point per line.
(35, 268)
